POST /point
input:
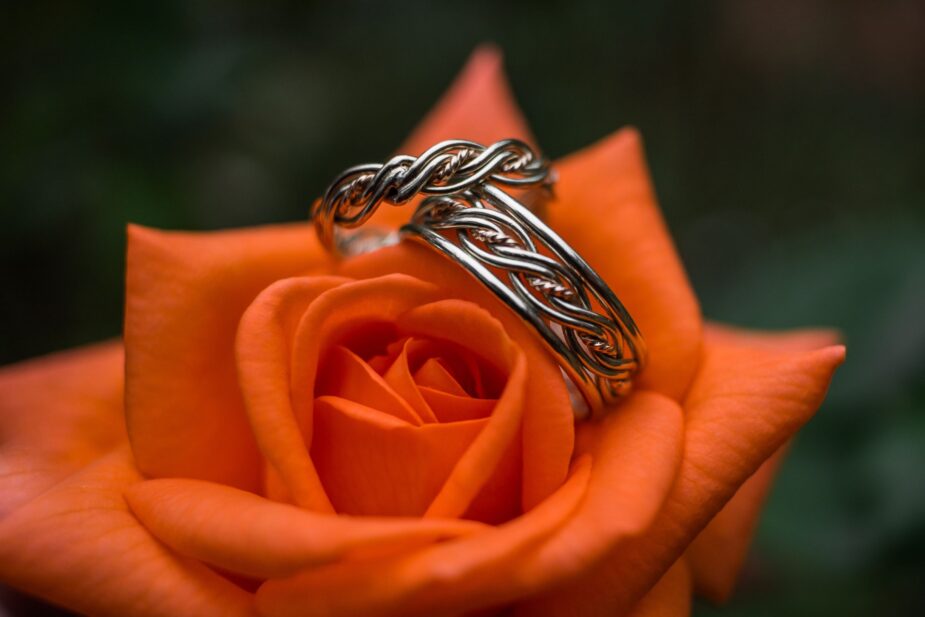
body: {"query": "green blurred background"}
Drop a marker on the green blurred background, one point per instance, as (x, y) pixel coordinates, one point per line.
(786, 140)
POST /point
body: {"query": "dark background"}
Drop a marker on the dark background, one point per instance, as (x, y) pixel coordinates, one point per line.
(786, 139)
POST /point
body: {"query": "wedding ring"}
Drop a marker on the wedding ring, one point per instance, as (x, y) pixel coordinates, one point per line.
(538, 275)
(468, 218)
(447, 167)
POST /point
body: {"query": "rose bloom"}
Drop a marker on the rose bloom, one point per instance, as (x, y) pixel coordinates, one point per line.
(283, 434)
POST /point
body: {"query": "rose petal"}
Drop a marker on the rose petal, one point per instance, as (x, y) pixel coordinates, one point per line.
(241, 532)
(670, 597)
(398, 586)
(459, 322)
(399, 377)
(498, 500)
(716, 556)
(605, 208)
(478, 106)
(185, 293)
(806, 339)
(745, 403)
(635, 455)
(637, 450)
(78, 545)
(346, 375)
(278, 368)
(433, 375)
(548, 423)
(57, 414)
(371, 463)
(263, 352)
(455, 408)
(456, 368)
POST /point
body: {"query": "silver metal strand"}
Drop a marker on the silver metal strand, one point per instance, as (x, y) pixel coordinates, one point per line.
(506, 247)
(447, 168)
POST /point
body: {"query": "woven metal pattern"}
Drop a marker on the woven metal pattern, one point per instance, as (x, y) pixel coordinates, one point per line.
(448, 167)
(538, 275)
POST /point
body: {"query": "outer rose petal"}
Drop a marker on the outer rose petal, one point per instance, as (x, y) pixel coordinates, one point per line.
(57, 414)
(716, 556)
(637, 452)
(387, 587)
(670, 597)
(241, 532)
(745, 403)
(633, 458)
(78, 545)
(806, 339)
(605, 208)
(184, 296)
(478, 106)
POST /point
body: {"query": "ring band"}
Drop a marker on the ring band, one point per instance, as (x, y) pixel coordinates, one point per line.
(447, 167)
(469, 219)
(538, 275)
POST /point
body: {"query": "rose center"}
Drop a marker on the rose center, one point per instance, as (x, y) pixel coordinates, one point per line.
(393, 415)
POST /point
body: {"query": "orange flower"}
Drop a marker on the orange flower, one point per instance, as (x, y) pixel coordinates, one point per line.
(382, 437)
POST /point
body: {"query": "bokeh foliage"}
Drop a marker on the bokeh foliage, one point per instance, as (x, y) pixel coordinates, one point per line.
(786, 141)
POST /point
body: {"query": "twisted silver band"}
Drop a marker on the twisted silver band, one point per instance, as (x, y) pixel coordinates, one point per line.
(468, 218)
(445, 168)
(538, 275)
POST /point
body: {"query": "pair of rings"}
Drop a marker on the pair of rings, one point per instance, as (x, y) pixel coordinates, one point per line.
(468, 216)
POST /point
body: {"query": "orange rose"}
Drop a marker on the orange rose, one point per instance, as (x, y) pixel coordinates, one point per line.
(381, 436)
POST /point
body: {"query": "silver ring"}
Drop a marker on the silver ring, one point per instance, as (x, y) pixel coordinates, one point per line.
(540, 277)
(469, 219)
(445, 168)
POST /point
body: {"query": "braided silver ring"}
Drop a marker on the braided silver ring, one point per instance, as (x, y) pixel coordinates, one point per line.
(540, 277)
(445, 168)
(469, 219)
